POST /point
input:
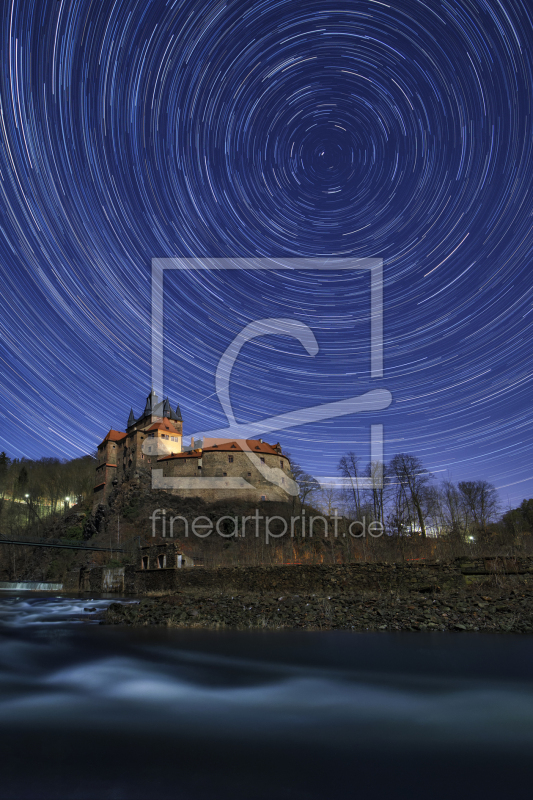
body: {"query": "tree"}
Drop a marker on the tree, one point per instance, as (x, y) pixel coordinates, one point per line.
(480, 501)
(378, 475)
(328, 499)
(22, 481)
(399, 517)
(307, 484)
(526, 509)
(412, 480)
(5, 463)
(450, 506)
(433, 508)
(518, 521)
(349, 468)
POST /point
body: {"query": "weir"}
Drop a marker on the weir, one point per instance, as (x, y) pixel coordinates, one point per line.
(30, 586)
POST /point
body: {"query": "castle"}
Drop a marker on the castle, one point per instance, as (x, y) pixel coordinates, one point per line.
(213, 469)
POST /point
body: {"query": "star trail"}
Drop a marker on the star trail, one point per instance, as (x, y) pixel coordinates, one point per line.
(401, 131)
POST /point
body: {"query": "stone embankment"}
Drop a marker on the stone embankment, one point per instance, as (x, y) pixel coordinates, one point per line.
(301, 579)
(311, 579)
(468, 609)
(481, 595)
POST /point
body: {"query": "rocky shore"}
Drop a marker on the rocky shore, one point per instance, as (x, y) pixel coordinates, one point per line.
(505, 609)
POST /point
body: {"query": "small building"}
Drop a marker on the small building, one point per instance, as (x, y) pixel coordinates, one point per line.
(165, 555)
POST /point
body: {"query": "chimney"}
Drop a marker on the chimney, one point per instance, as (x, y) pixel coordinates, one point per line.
(192, 442)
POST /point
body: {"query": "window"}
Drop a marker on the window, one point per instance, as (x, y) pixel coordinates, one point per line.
(262, 461)
(230, 459)
(144, 563)
(149, 449)
(151, 435)
(161, 561)
(142, 455)
(165, 436)
(281, 464)
(249, 474)
(263, 497)
(225, 474)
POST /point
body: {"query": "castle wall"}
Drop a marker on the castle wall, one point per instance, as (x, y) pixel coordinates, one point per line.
(107, 466)
(218, 465)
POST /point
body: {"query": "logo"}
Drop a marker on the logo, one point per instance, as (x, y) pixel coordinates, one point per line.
(377, 399)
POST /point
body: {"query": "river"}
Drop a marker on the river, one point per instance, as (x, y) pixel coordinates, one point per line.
(90, 711)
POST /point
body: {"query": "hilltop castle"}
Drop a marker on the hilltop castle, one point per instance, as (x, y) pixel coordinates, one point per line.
(152, 446)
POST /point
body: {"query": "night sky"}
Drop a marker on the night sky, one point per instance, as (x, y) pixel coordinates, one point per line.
(401, 131)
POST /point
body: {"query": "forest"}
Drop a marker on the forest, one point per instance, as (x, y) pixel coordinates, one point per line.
(404, 497)
(33, 490)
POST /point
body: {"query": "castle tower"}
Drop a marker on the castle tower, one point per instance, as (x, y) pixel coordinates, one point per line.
(125, 455)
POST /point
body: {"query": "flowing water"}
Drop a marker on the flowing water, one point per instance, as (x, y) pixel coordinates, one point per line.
(89, 711)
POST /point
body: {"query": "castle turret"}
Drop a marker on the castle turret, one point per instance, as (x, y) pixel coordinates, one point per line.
(131, 418)
(151, 403)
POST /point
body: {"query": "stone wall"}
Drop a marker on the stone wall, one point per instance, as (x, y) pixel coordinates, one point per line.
(318, 579)
(214, 464)
(309, 579)
(113, 579)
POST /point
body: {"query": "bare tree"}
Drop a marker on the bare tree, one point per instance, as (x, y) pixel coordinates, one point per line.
(480, 502)
(451, 508)
(413, 481)
(328, 499)
(399, 517)
(308, 485)
(378, 474)
(349, 468)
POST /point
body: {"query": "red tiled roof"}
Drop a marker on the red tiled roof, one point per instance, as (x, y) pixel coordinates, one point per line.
(164, 425)
(232, 447)
(254, 444)
(113, 436)
(188, 454)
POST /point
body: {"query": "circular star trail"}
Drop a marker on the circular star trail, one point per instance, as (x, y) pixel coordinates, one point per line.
(133, 130)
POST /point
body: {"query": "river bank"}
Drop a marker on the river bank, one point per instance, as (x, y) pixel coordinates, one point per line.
(493, 609)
